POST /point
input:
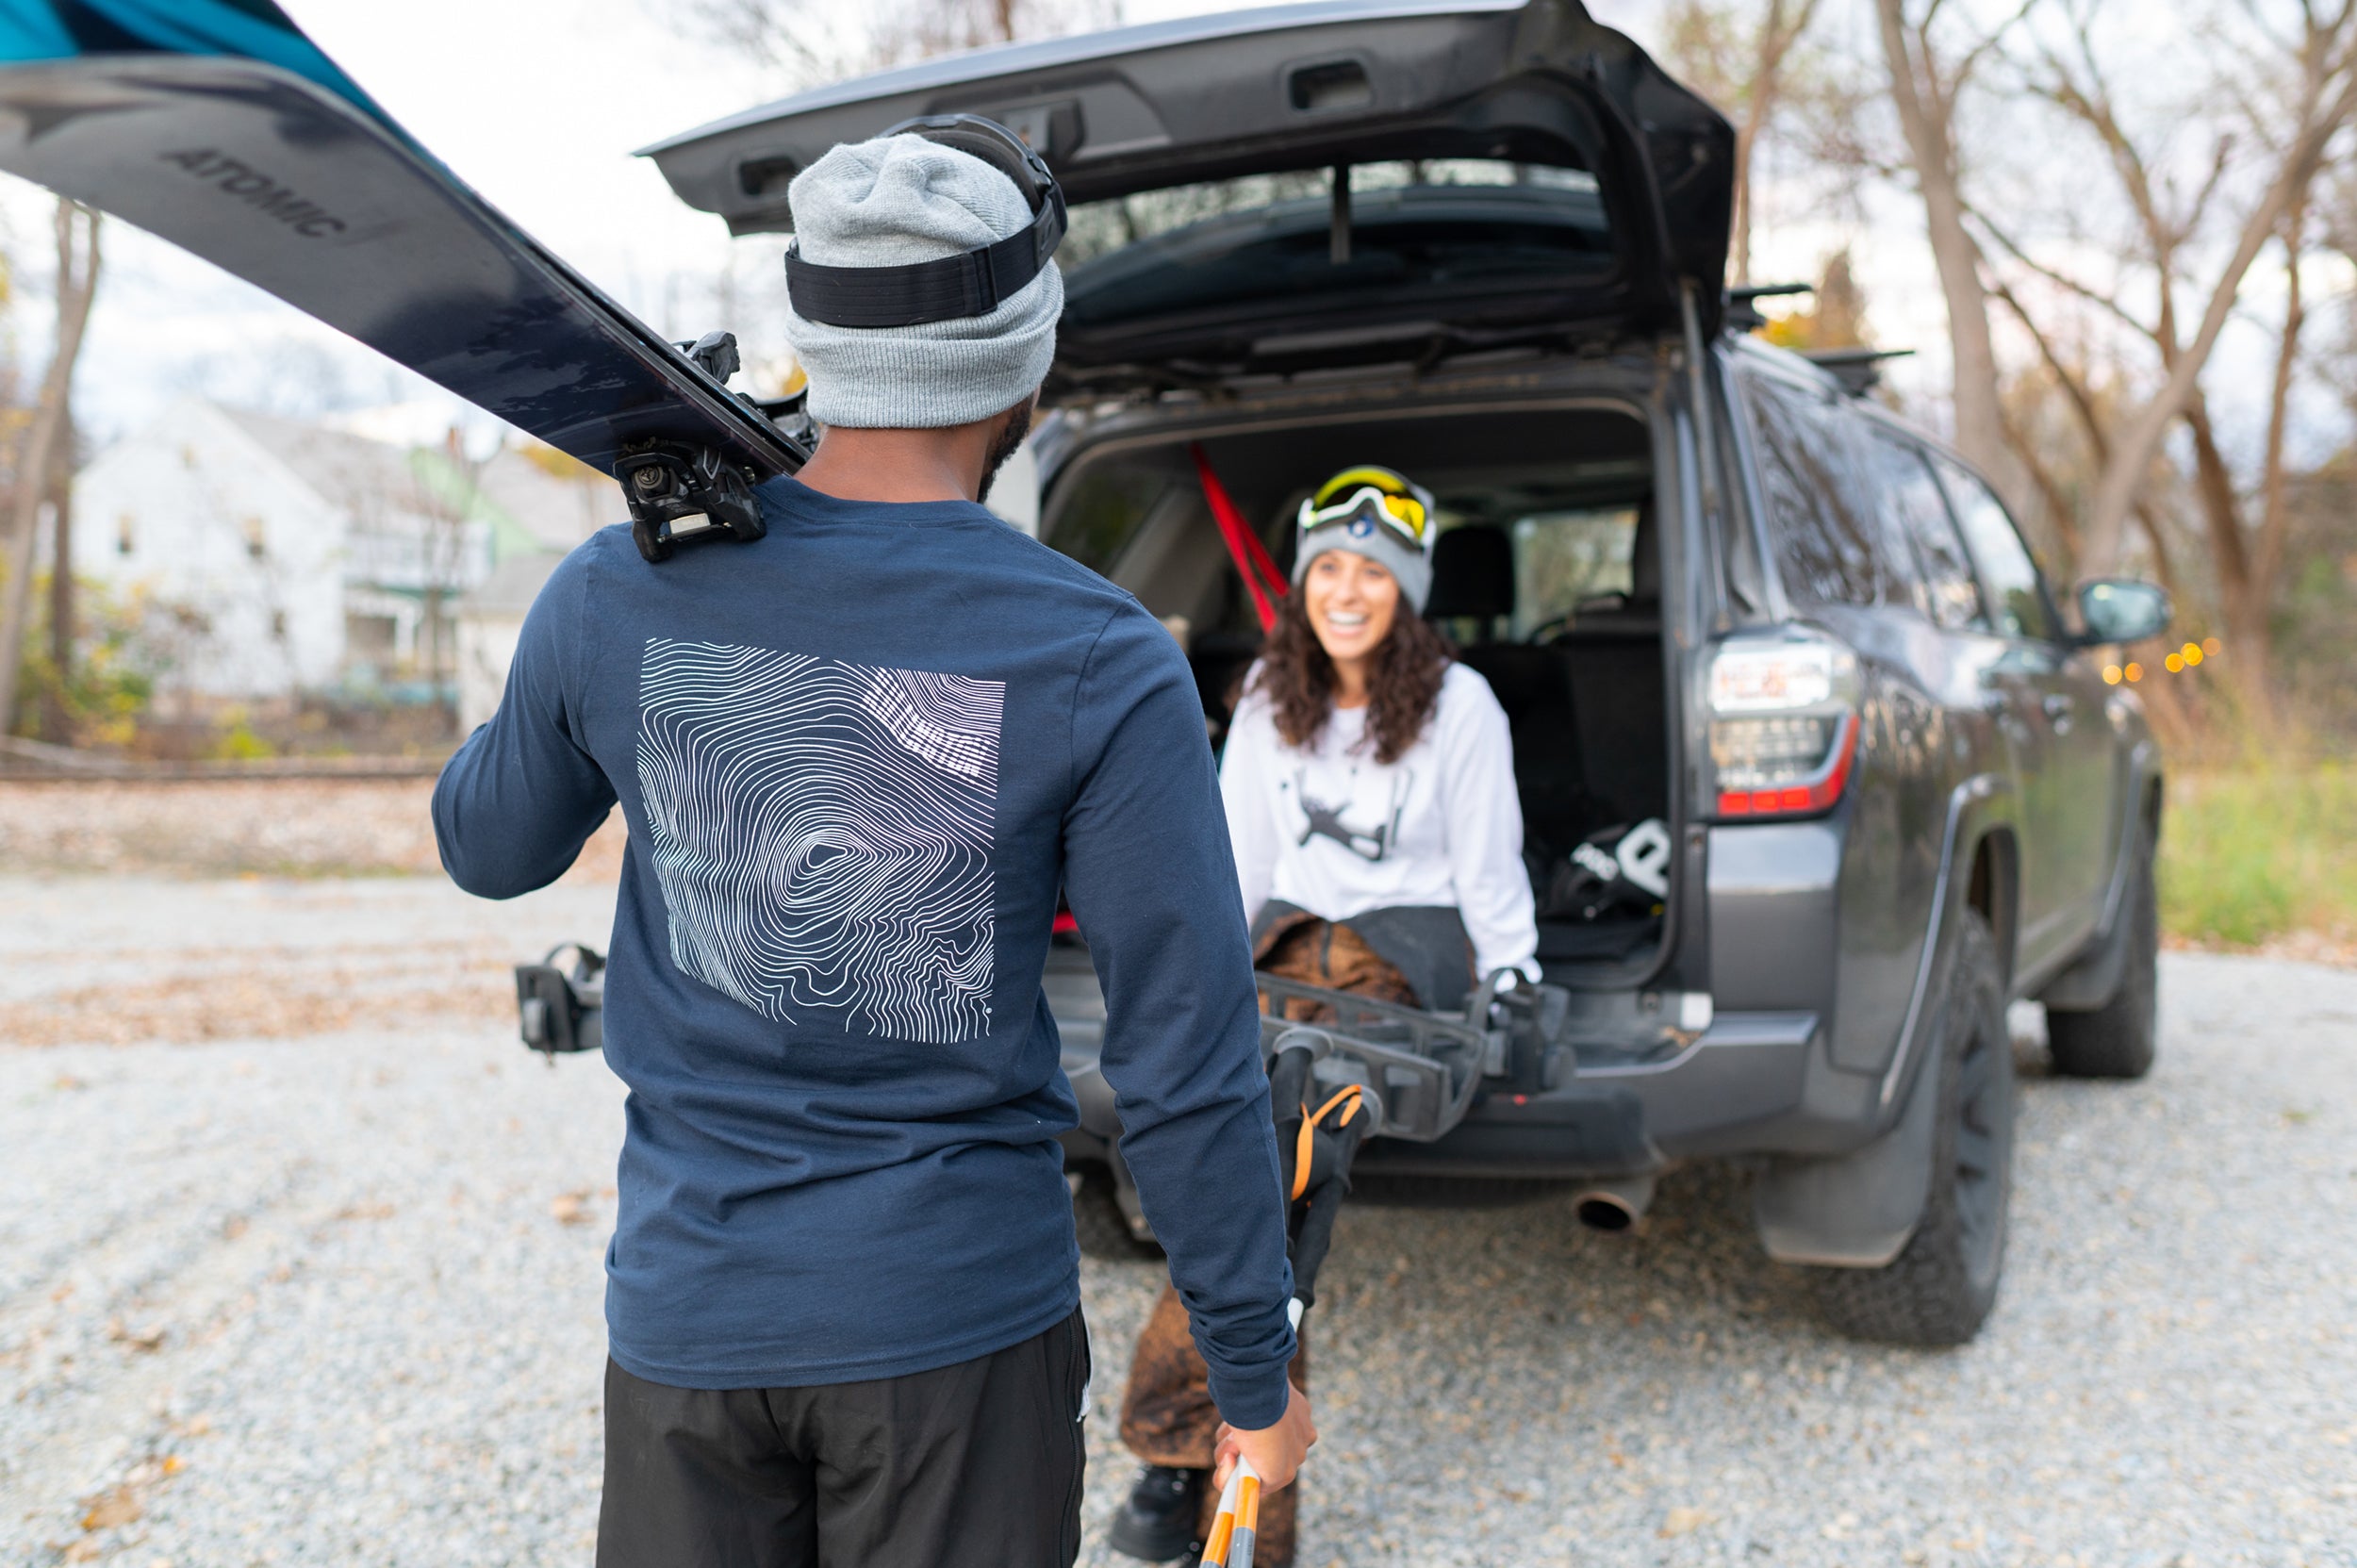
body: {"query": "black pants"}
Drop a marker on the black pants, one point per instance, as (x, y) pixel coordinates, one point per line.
(974, 1465)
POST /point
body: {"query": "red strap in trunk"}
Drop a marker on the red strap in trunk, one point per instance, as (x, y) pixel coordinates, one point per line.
(1260, 576)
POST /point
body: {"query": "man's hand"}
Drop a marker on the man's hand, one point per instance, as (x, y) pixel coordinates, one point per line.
(1276, 1451)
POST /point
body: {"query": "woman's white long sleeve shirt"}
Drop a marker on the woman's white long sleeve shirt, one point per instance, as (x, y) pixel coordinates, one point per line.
(1328, 829)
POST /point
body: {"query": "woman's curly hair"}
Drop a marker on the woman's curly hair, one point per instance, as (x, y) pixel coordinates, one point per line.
(1403, 675)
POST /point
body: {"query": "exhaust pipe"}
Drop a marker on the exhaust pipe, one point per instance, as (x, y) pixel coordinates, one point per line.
(1613, 1205)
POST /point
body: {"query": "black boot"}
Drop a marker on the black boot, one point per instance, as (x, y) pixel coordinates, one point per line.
(1158, 1520)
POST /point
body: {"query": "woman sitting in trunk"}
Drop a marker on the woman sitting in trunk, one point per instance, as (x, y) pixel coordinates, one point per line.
(1369, 780)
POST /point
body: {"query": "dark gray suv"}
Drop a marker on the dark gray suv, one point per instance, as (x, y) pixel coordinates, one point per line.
(1731, 608)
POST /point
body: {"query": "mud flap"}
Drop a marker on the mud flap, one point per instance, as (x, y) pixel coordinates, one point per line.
(1855, 1210)
(2093, 979)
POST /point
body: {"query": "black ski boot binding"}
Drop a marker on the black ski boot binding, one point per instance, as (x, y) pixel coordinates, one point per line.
(1156, 1523)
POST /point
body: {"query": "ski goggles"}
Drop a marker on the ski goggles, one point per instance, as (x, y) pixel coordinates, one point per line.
(1372, 496)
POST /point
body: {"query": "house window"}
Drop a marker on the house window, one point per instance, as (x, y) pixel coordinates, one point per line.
(122, 534)
(254, 540)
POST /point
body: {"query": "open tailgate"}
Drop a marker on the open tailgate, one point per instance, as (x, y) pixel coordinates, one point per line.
(1292, 87)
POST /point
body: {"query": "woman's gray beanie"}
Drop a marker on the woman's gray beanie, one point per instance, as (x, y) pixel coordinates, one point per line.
(893, 201)
(1410, 566)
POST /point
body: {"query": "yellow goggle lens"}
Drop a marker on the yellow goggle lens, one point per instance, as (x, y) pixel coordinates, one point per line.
(1402, 508)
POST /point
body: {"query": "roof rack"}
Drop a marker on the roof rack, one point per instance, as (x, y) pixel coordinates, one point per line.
(1744, 313)
(1859, 370)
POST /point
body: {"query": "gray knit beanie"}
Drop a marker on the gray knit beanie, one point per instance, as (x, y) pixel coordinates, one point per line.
(1412, 568)
(901, 199)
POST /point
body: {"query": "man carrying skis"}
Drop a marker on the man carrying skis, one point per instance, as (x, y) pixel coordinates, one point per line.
(858, 758)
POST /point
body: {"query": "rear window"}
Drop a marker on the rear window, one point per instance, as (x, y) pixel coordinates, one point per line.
(1444, 223)
(1099, 228)
(1569, 560)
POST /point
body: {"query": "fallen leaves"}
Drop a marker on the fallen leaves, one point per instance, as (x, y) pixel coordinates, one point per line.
(1682, 1521)
(122, 1506)
(125, 1503)
(283, 827)
(140, 1340)
(267, 995)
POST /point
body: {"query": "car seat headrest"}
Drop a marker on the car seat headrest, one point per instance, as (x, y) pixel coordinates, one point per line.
(1473, 574)
(1645, 562)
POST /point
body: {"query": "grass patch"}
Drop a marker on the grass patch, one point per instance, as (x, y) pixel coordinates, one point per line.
(2251, 856)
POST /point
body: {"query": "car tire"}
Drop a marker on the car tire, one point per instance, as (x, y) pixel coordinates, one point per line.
(1103, 1230)
(1940, 1288)
(2118, 1039)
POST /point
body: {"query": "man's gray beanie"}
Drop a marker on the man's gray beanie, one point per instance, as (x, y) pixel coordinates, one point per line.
(886, 203)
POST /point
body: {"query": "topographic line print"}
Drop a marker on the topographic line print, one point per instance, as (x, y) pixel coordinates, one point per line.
(822, 831)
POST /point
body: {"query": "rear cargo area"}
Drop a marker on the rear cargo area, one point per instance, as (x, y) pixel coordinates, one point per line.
(1547, 575)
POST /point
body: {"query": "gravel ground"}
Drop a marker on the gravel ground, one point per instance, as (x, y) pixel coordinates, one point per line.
(333, 1298)
(278, 827)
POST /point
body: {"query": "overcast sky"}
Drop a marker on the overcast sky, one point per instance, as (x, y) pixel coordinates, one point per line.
(540, 104)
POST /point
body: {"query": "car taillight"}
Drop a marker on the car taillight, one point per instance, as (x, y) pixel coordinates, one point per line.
(1783, 724)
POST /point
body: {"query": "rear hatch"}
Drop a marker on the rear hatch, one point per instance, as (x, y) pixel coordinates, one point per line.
(1312, 185)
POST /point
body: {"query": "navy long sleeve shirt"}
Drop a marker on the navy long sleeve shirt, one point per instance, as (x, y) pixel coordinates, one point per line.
(857, 759)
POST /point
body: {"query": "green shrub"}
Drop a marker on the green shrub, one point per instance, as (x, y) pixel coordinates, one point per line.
(119, 655)
(2253, 854)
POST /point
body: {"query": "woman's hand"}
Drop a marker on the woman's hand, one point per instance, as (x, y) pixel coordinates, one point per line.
(1275, 1452)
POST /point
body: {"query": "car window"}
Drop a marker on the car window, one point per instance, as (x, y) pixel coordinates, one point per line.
(1826, 526)
(1101, 227)
(1570, 558)
(1950, 596)
(2015, 595)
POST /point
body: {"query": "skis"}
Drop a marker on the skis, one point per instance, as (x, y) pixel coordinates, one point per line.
(217, 125)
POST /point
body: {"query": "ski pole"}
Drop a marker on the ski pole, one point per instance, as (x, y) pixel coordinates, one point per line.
(1237, 1525)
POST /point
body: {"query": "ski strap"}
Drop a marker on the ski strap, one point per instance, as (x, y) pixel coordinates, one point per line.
(1251, 558)
(1348, 1097)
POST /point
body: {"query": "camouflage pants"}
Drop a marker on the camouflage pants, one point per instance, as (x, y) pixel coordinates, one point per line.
(1167, 1415)
(1167, 1418)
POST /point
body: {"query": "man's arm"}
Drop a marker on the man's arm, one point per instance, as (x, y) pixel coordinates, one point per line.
(1153, 885)
(514, 806)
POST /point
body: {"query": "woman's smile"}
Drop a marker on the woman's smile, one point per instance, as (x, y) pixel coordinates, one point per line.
(1351, 603)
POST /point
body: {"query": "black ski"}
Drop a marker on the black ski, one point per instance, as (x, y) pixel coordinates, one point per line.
(217, 125)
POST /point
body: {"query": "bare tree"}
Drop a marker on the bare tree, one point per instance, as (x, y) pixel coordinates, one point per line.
(45, 440)
(57, 722)
(806, 43)
(2301, 102)
(2281, 100)
(1741, 65)
(1929, 69)
(447, 494)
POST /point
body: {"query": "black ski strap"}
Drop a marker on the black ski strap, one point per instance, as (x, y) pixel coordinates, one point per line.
(974, 283)
(1315, 1148)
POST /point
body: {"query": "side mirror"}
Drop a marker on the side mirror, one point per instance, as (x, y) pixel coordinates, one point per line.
(2121, 609)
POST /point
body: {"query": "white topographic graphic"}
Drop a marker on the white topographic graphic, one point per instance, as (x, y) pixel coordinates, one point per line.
(822, 831)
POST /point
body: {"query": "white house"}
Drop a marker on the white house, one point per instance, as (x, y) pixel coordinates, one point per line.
(490, 623)
(307, 559)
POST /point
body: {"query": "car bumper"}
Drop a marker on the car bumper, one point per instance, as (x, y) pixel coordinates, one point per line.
(1751, 1083)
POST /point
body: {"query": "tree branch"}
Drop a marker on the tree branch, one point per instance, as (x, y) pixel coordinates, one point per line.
(2142, 437)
